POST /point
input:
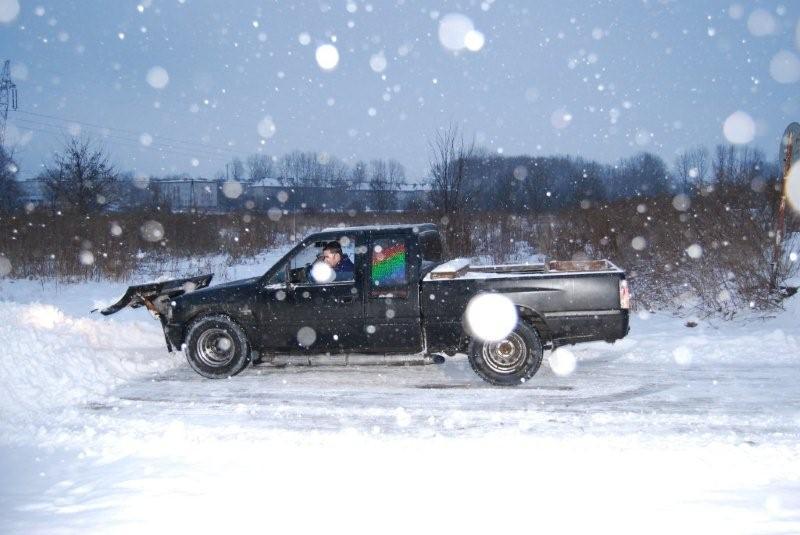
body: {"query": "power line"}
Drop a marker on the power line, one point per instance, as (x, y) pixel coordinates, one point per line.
(131, 132)
(61, 133)
(125, 142)
(186, 151)
(166, 112)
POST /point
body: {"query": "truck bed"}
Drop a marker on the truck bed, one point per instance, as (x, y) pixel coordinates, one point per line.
(460, 268)
(568, 301)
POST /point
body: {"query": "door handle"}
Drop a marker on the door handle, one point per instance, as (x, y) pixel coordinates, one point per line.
(394, 294)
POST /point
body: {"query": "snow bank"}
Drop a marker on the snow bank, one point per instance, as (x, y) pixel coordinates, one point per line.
(52, 359)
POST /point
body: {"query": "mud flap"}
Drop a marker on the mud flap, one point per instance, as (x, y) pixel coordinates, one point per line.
(147, 294)
(166, 336)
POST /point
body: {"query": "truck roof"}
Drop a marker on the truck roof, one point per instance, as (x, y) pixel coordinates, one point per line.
(408, 227)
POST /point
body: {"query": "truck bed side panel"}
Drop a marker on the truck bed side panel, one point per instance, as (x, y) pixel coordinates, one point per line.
(594, 312)
(569, 307)
(443, 302)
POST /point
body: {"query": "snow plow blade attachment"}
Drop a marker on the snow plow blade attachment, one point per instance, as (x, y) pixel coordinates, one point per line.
(147, 294)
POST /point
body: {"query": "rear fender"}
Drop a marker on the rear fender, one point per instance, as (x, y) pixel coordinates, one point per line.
(535, 320)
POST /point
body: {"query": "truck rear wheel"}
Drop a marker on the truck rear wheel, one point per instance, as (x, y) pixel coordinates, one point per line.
(216, 347)
(509, 362)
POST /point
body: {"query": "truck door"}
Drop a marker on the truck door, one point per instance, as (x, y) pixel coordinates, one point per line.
(316, 315)
(391, 314)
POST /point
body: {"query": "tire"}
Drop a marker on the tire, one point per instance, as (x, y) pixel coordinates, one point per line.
(216, 347)
(511, 361)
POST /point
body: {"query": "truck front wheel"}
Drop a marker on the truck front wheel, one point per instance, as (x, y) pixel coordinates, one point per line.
(216, 347)
(509, 362)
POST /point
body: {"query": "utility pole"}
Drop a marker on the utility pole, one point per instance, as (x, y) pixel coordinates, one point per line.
(789, 154)
(8, 98)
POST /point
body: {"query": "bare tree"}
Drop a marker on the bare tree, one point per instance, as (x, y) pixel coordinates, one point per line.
(588, 181)
(9, 188)
(451, 191)
(386, 179)
(299, 169)
(358, 175)
(395, 175)
(337, 174)
(691, 168)
(260, 167)
(642, 175)
(235, 170)
(81, 176)
(379, 186)
(738, 166)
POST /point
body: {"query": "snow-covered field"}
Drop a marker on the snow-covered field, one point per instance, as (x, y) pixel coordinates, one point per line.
(672, 430)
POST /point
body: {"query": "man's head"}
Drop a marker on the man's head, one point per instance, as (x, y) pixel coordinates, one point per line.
(332, 253)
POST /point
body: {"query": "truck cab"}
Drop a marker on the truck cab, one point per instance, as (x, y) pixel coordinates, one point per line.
(377, 311)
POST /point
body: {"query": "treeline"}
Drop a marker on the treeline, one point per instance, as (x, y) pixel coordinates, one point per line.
(82, 177)
(524, 184)
(316, 169)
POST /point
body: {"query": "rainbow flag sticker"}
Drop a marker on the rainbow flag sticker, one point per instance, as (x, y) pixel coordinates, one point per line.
(389, 265)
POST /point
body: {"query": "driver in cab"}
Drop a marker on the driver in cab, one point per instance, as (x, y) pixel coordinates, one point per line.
(339, 263)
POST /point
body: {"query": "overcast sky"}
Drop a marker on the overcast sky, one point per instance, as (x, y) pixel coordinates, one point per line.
(184, 85)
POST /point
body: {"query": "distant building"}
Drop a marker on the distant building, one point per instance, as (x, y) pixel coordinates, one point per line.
(213, 195)
(187, 194)
(34, 192)
(268, 193)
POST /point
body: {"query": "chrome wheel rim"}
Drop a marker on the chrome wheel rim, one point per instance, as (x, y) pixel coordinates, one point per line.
(507, 355)
(215, 348)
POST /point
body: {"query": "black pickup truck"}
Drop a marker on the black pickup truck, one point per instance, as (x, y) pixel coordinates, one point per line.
(398, 297)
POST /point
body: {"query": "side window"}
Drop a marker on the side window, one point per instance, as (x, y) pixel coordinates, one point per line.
(324, 262)
(306, 257)
(430, 245)
(279, 277)
(389, 268)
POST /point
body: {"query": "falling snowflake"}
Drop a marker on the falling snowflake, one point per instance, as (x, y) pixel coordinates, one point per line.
(9, 9)
(563, 362)
(327, 57)
(490, 317)
(157, 77)
(152, 231)
(306, 336)
(739, 128)
(266, 127)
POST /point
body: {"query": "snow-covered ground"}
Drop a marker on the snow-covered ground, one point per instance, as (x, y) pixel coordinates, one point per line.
(671, 430)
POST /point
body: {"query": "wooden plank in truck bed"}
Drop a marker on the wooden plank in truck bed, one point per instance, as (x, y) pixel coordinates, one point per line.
(579, 265)
(450, 270)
